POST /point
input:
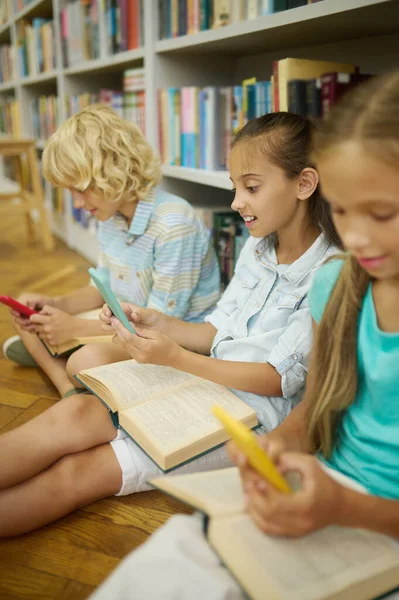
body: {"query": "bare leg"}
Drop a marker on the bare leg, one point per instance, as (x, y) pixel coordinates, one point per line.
(72, 482)
(55, 368)
(94, 355)
(74, 424)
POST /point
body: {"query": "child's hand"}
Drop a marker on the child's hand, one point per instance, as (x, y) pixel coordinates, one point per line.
(35, 301)
(140, 317)
(147, 345)
(55, 326)
(316, 505)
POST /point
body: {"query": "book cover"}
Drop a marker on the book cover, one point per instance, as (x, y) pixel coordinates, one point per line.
(297, 97)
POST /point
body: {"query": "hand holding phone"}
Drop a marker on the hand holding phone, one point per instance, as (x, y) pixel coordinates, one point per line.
(22, 309)
(110, 298)
(257, 456)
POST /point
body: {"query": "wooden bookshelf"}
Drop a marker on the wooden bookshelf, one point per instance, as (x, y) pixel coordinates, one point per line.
(364, 32)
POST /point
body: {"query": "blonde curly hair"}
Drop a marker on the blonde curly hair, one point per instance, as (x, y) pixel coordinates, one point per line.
(96, 150)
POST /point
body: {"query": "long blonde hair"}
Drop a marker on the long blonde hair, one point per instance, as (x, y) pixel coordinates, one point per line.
(98, 151)
(370, 115)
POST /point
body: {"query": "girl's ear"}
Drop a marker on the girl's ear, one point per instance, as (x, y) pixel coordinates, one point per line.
(307, 183)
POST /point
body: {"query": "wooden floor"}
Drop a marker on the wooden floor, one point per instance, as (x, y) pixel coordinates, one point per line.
(67, 560)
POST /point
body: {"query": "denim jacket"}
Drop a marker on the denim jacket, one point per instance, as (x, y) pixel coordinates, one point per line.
(264, 316)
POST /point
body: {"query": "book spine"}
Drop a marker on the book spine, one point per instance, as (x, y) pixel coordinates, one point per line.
(276, 99)
(133, 24)
(279, 5)
(313, 98)
(252, 9)
(297, 97)
(182, 17)
(266, 7)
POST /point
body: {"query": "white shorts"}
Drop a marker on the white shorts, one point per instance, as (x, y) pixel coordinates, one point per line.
(137, 468)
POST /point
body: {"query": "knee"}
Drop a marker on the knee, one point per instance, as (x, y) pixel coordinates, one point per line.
(78, 361)
(69, 479)
(71, 413)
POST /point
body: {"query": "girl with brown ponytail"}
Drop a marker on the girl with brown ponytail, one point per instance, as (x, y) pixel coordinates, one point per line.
(349, 415)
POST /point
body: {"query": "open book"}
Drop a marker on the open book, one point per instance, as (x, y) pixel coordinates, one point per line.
(165, 411)
(334, 563)
(75, 343)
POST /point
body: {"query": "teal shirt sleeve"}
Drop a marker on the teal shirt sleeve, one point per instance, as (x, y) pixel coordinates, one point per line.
(323, 284)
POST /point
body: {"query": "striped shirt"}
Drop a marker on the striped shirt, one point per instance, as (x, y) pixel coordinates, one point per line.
(165, 260)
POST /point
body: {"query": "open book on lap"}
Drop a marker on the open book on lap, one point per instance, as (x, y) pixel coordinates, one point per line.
(165, 411)
(334, 563)
(75, 343)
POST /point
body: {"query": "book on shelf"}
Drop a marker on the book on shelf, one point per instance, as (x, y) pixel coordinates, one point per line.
(35, 46)
(10, 117)
(7, 72)
(5, 12)
(334, 563)
(197, 126)
(77, 342)
(80, 37)
(334, 85)
(129, 103)
(165, 411)
(229, 237)
(124, 25)
(44, 116)
(300, 68)
(187, 17)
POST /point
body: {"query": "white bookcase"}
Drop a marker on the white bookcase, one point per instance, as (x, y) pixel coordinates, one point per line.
(365, 32)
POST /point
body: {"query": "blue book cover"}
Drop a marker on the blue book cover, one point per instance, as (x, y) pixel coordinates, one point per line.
(237, 107)
(202, 127)
(251, 104)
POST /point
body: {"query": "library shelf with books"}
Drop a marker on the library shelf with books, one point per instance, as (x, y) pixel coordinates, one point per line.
(359, 32)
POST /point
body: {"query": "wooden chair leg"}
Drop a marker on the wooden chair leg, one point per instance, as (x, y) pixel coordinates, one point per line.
(25, 199)
(38, 194)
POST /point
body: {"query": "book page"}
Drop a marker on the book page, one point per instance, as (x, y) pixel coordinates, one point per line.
(314, 567)
(89, 314)
(131, 383)
(184, 416)
(215, 492)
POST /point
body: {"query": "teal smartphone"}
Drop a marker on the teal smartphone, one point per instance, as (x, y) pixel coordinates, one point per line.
(110, 298)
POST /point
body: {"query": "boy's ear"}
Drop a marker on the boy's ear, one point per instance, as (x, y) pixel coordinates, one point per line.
(308, 182)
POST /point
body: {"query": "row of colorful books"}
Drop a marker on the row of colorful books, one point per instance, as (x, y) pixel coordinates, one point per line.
(124, 22)
(185, 17)
(80, 32)
(10, 116)
(197, 126)
(7, 72)
(36, 46)
(129, 105)
(80, 28)
(44, 116)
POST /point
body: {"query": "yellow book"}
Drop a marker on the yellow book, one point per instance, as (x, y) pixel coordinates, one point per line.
(257, 457)
(165, 411)
(334, 563)
(300, 68)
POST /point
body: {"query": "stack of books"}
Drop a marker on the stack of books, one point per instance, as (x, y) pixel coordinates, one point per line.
(6, 63)
(134, 97)
(80, 38)
(185, 17)
(44, 116)
(36, 46)
(124, 24)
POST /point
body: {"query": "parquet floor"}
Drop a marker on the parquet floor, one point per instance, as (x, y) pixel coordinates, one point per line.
(67, 560)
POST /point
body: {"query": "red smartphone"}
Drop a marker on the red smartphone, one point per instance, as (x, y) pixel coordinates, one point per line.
(21, 308)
